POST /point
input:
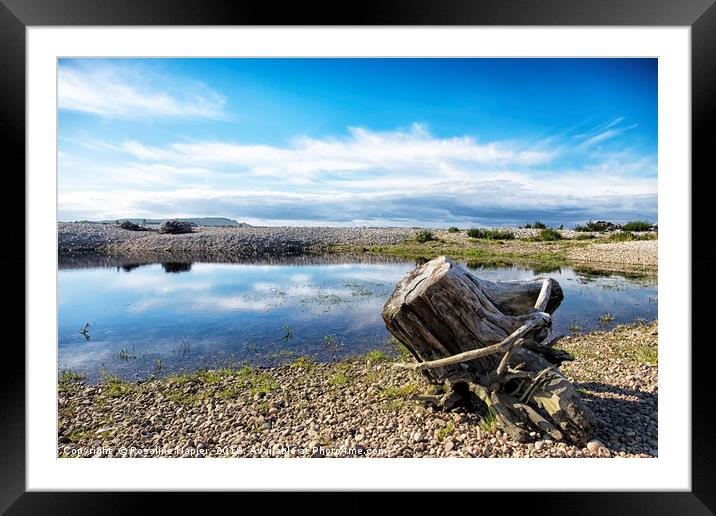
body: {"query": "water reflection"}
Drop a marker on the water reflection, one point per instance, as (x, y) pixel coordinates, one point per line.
(174, 267)
(190, 315)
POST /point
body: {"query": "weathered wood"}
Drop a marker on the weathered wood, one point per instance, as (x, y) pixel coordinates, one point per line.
(506, 345)
(487, 337)
(544, 293)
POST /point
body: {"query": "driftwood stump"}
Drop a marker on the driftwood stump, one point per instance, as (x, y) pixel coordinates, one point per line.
(488, 342)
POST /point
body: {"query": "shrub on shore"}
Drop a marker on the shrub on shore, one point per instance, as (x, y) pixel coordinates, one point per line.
(638, 225)
(176, 227)
(453, 229)
(491, 234)
(424, 236)
(131, 226)
(548, 235)
(539, 225)
(598, 226)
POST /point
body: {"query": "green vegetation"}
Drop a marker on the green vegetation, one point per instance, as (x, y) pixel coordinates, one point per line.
(424, 236)
(393, 405)
(491, 234)
(631, 343)
(69, 376)
(520, 253)
(69, 380)
(453, 229)
(488, 422)
(637, 225)
(445, 431)
(575, 328)
(592, 226)
(305, 363)
(76, 434)
(126, 355)
(115, 387)
(646, 354)
(403, 353)
(548, 235)
(606, 318)
(402, 391)
(339, 379)
(627, 236)
(229, 383)
(539, 225)
(376, 355)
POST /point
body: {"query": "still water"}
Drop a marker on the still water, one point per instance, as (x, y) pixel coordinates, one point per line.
(139, 320)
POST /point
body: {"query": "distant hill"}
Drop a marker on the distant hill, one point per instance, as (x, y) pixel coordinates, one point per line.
(200, 221)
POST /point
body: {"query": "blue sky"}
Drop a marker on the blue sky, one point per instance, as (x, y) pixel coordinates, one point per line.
(352, 142)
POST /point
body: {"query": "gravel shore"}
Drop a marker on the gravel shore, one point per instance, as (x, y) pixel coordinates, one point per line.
(644, 253)
(246, 242)
(361, 407)
(76, 240)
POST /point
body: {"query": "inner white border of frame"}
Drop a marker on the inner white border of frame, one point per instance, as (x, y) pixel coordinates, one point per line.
(671, 470)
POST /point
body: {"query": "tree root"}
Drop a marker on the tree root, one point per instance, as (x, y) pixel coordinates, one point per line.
(547, 405)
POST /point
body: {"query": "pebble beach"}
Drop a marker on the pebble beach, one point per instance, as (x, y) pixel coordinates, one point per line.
(358, 408)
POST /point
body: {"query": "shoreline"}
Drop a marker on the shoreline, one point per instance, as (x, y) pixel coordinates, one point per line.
(353, 408)
(80, 240)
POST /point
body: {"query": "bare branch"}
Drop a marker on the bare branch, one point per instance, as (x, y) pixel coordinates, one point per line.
(544, 294)
(540, 319)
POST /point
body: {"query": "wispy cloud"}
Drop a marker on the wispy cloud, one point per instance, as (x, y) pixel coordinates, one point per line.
(360, 150)
(134, 91)
(604, 131)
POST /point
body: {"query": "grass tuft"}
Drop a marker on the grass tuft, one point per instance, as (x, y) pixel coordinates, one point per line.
(606, 318)
(376, 355)
(402, 391)
(305, 363)
(445, 431)
(339, 379)
(488, 422)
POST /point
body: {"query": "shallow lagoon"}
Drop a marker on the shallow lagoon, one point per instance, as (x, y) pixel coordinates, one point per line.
(144, 319)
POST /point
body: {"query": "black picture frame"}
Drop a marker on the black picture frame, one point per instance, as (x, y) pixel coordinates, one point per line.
(700, 15)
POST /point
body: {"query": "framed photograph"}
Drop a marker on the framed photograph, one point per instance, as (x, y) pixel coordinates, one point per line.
(420, 245)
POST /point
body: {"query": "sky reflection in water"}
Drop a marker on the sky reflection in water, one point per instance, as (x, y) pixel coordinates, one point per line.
(162, 318)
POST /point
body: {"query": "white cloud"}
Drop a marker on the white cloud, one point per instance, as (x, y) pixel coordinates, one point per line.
(120, 90)
(361, 150)
(372, 178)
(604, 132)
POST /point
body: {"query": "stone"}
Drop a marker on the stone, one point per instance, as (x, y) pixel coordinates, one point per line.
(594, 445)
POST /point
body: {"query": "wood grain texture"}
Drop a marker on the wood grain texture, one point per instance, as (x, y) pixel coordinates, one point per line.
(488, 336)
